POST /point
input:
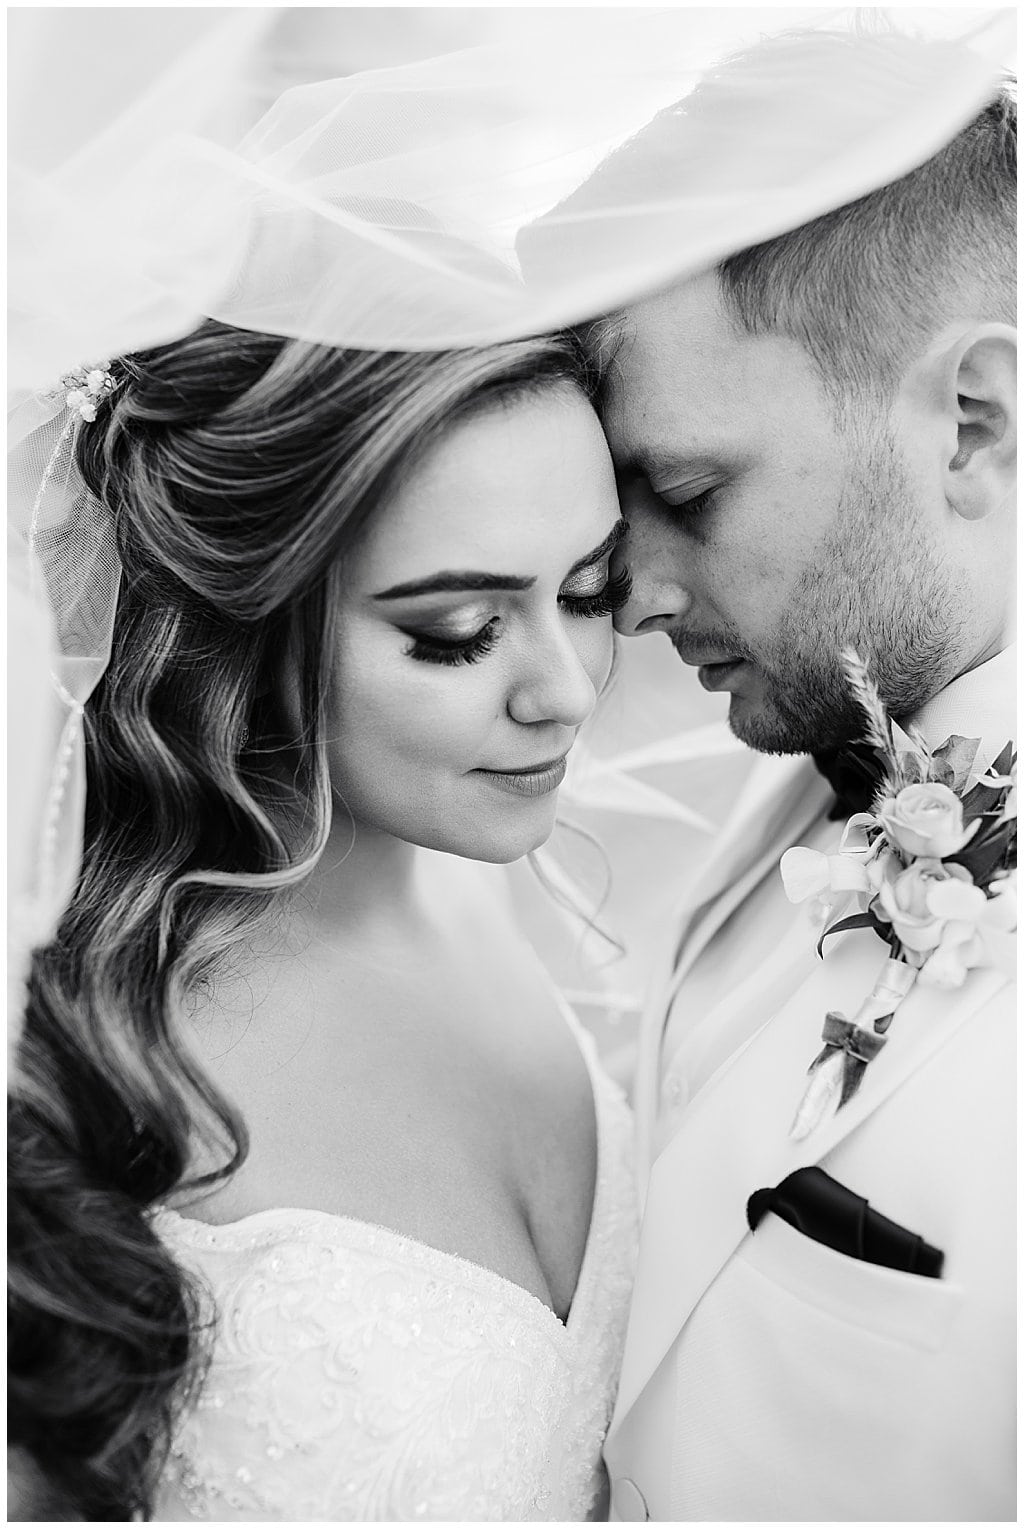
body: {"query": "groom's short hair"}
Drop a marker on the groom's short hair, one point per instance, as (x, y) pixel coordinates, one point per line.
(864, 287)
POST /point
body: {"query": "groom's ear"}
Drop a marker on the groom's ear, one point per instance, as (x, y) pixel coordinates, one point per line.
(977, 385)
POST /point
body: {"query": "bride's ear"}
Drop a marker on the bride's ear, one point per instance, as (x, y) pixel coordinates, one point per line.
(977, 382)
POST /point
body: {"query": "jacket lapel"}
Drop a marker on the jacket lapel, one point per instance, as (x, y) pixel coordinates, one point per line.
(734, 1139)
(781, 798)
(776, 791)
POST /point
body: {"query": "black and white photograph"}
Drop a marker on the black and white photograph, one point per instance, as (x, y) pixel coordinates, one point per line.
(466, 1064)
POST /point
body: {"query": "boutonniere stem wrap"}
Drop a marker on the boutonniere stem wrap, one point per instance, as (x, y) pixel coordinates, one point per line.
(837, 1070)
(931, 870)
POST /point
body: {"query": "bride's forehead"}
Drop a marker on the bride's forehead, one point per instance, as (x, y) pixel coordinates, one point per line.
(529, 477)
(522, 448)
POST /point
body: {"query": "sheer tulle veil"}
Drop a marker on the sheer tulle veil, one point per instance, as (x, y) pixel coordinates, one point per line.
(217, 175)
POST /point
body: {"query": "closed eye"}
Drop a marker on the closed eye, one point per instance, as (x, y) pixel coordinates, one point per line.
(696, 504)
(589, 589)
(455, 651)
(603, 602)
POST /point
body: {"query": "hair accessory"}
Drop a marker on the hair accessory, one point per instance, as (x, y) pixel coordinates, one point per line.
(63, 550)
(86, 386)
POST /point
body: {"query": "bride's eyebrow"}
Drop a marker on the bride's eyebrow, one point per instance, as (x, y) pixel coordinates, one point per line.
(458, 583)
(453, 583)
(609, 544)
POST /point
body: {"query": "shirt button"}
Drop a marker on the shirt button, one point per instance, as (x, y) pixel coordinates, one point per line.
(627, 1503)
(673, 1090)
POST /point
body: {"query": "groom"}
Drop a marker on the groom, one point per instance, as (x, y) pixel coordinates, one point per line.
(815, 444)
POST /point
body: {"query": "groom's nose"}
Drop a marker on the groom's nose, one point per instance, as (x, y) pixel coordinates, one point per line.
(659, 598)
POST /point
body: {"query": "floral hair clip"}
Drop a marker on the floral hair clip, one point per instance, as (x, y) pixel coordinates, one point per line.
(83, 387)
(86, 386)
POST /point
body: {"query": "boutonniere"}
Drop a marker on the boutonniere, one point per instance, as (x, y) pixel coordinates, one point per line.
(930, 870)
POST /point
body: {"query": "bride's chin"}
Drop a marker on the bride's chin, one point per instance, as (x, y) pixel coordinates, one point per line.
(511, 841)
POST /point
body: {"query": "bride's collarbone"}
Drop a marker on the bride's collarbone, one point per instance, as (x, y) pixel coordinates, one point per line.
(457, 1110)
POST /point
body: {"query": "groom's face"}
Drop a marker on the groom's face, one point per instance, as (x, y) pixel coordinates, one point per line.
(769, 527)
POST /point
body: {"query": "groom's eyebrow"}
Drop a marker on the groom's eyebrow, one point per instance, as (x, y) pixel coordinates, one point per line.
(459, 582)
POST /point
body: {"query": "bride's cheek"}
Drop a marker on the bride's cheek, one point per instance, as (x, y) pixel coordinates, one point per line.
(446, 714)
(596, 647)
(417, 715)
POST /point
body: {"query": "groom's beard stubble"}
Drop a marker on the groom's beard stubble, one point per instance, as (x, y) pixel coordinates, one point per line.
(877, 586)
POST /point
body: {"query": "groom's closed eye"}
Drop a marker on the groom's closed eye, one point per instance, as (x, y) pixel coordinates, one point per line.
(688, 487)
(686, 501)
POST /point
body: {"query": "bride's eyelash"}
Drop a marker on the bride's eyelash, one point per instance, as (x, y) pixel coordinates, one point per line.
(605, 603)
(607, 600)
(431, 651)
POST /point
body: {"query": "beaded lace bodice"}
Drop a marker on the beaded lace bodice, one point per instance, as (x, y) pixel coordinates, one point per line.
(359, 1374)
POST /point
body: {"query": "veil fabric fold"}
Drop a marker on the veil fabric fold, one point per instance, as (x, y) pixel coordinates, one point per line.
(440, 203)
(383, 209)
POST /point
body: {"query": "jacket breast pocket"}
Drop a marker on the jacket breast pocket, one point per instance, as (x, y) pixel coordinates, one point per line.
(898, 1307)
(810, 1385)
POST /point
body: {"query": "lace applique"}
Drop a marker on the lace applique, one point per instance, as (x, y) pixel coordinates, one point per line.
(359, 1374)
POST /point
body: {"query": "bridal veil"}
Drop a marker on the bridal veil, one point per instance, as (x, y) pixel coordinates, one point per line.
(415, 205)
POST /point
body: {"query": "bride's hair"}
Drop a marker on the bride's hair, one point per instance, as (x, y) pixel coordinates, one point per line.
(239, 467)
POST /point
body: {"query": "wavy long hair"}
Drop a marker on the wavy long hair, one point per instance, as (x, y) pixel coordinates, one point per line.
(239, 467)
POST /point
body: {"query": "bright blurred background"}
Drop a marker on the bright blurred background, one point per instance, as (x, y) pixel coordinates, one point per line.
(651, 780)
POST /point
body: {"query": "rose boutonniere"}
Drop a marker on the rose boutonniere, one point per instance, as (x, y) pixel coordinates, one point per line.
(931, 870)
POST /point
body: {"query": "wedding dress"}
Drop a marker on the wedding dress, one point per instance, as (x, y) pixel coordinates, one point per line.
(359, 1374)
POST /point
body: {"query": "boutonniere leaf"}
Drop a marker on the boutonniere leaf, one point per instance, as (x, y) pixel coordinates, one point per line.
(931, 870)
(955, 758)
(852, 921)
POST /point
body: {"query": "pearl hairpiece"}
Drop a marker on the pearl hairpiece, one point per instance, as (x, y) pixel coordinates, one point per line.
(86, 385)
(83, 388)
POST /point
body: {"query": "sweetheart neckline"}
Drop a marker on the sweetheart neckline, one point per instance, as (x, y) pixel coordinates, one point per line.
(212, 1231)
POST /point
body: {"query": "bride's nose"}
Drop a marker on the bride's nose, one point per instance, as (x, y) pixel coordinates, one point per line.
(553, 684)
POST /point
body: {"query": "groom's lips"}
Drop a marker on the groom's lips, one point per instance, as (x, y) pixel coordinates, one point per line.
(716, 676)
(713, 671)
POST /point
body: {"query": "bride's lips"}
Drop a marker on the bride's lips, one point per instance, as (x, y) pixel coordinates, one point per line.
(528, 780)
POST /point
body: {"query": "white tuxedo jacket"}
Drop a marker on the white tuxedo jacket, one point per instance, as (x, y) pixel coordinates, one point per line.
(767, 1377)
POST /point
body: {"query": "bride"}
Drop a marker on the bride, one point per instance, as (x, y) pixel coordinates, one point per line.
(365, 610)
(324, 1207)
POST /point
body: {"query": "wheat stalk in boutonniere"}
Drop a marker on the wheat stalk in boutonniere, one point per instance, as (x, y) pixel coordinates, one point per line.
(877, 730)
(931, 870)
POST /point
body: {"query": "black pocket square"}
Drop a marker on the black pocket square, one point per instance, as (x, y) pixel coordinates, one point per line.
(829, 1213)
